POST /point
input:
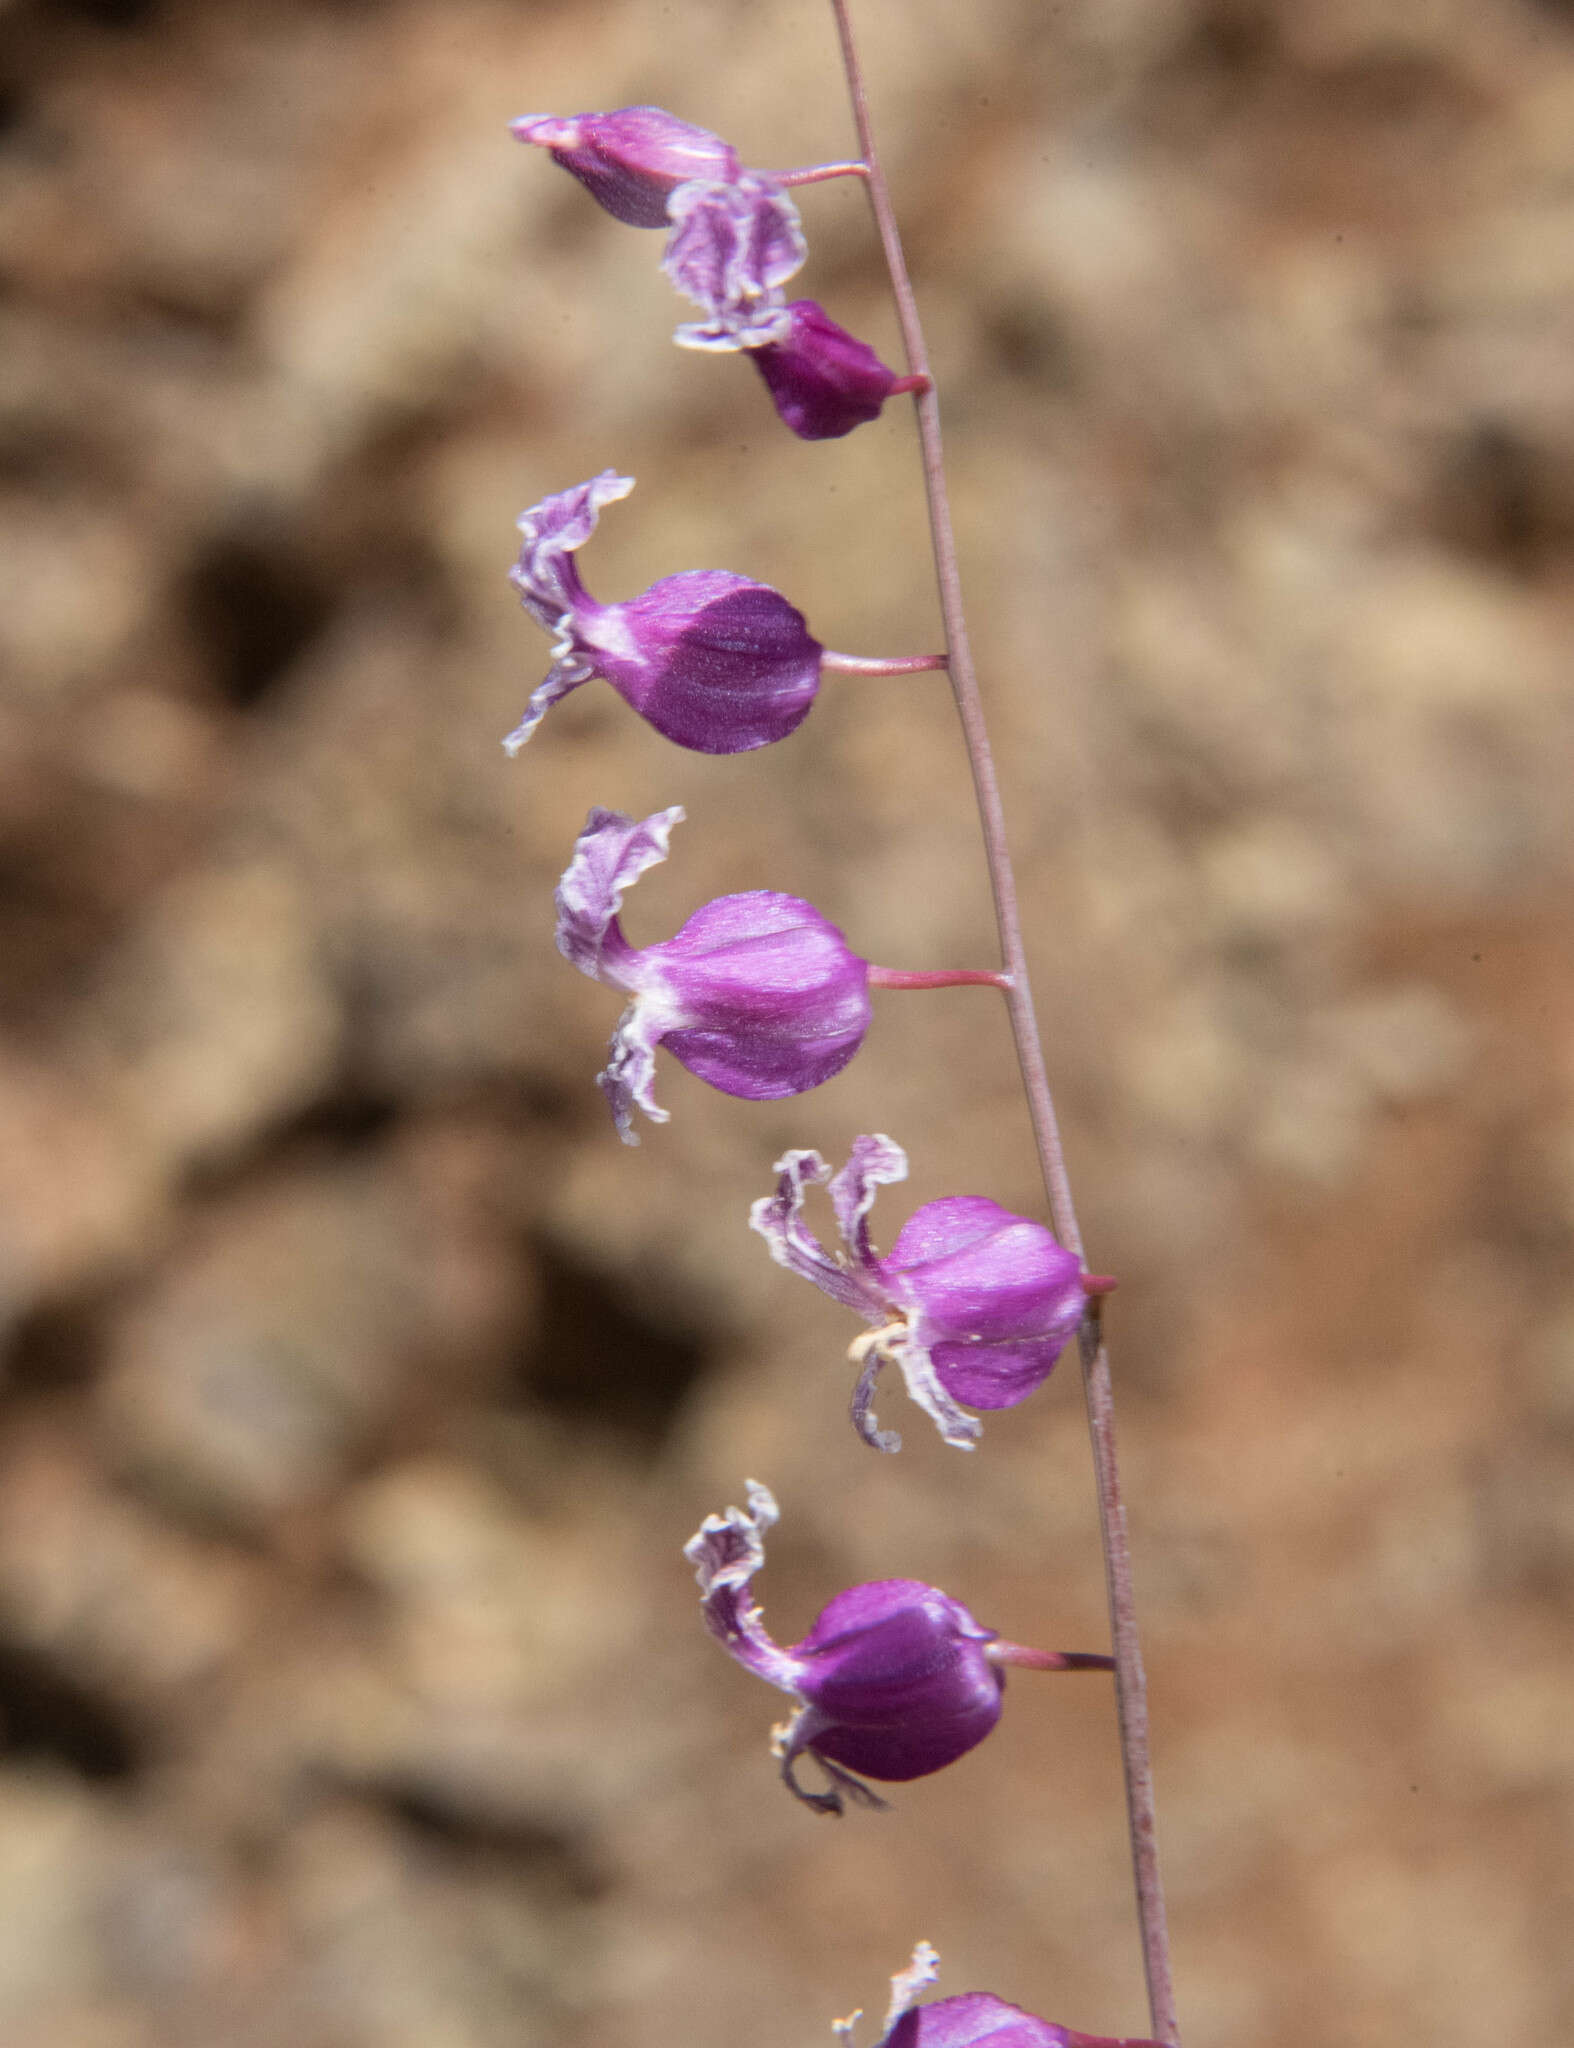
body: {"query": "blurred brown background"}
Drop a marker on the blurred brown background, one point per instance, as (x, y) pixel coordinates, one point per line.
(360, 1389)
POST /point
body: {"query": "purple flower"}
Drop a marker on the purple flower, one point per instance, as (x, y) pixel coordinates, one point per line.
(894, 1680)
(973, 1303)
(711, 660)
(733, 245)
(973, 2020)
(823, 380)
(758, 994)
(630, 160)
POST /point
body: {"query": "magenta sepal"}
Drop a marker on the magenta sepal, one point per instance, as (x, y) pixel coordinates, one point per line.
(630, 160)
(758, 994)
(894, 1680)
(715, 662)
(972, 1303)
(824, 381)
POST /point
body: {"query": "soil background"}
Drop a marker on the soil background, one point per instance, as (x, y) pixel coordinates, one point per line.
(359, 1388)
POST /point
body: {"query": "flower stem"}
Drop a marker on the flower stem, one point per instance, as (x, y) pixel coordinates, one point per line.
(1130, 1682)
(879, 665)
(938, 977)
(816, 174)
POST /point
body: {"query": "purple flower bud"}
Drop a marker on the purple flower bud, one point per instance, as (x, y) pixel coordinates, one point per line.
(973, 2020)
(894, 1680)
(630, 160)
(823, 380)
(714, 662)
(758, 994)
(972, 1303)
(733, 246)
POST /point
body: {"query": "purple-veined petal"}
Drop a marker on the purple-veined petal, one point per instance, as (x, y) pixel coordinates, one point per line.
(564, 678)
(726, 1552)
(713, 661)
(772, 1000)
(610, 854)
(873, 1162)
(925, 1387)
(628, 1079)
(733, 245)
(631, 159)
(545, 575)
(779, 1220)
(823, 381)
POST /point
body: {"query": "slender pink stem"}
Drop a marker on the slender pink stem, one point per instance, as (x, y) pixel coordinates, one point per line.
(1130, 1681)
(938, 977)
(1023, 1658)
(816, 174)
(878, 665)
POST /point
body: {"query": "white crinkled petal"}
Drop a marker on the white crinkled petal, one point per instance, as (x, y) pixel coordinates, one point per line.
(629, 1077)
(911, 1354)
(779, 1220)
(609, 856)
(874, 1161)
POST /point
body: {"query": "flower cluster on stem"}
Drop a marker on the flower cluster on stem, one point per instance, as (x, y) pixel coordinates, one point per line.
(762, 997)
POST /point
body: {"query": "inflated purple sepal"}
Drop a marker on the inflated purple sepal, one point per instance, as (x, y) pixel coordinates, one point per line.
(774, 999)
(823, 381)
(733, 245)
(992, 1297)
(610, 854)
(632, 159)
(779, 1220)
(897, 1680)
(715, 662)
(726, 1552)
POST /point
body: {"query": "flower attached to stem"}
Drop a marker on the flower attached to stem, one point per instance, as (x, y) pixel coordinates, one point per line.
(713, 661)
(972, 1303)
(733, 246)
(758, 994)
(976, 2019)
(894, 1680)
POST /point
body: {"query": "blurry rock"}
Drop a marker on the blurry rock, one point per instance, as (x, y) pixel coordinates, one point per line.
(78, 1192)
(302, 1316)
(215, 1018)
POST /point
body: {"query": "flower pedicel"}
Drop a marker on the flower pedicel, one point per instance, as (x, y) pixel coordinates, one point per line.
(894, 1680)
(971, 1303)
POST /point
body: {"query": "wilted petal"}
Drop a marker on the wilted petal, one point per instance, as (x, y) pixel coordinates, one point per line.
(823, 381)
(628, 1080)
(609, 856)
(631, 159)
(779, 1220)
(726, 1551)
(733, 245)
(873, 1162)
(545, 576)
